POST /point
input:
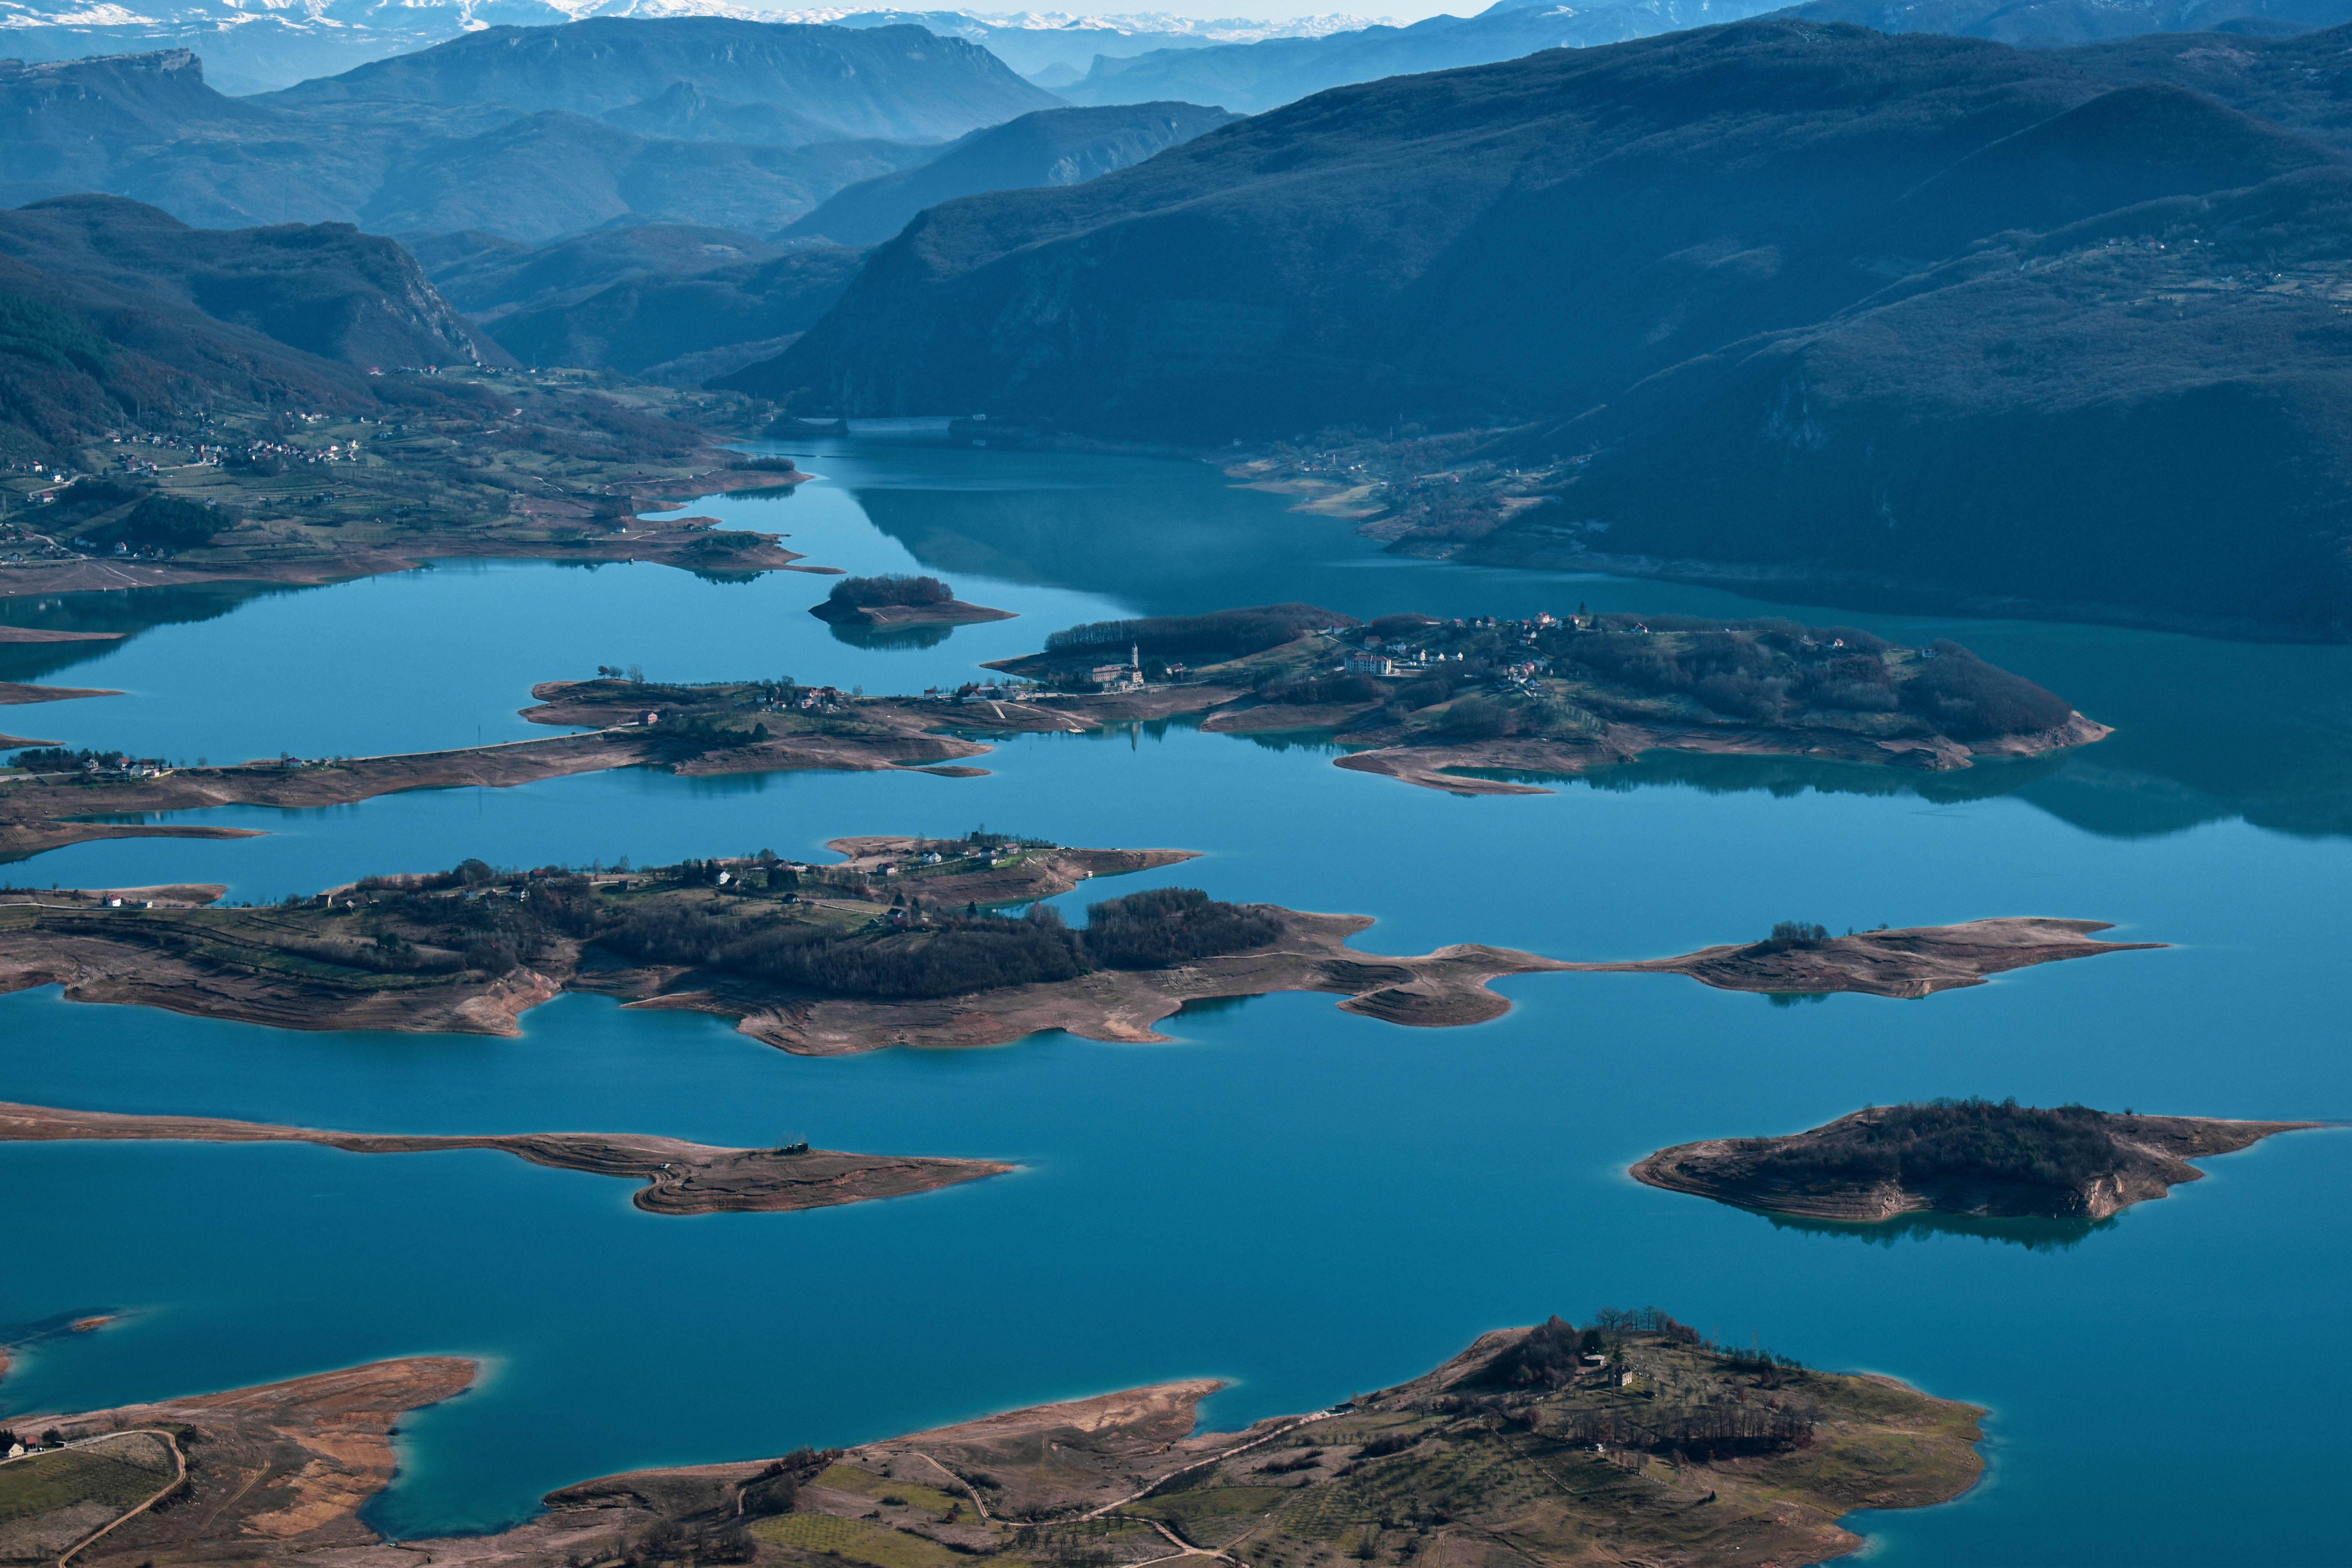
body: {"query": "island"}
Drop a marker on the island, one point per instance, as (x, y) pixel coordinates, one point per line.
(1962, 1157)
(1802, 959)
(1627, 1439)
(1441, 702)
(896, 599)
(680, 1178)
(904, 942)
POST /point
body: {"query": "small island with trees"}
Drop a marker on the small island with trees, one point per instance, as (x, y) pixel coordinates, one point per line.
(1631, 1432)
(1957, 1156)
(896, 599)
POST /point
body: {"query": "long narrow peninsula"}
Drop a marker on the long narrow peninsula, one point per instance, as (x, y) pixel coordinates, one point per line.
(900, 942)
(1628, 1439)
(1963, 1157)
(681, 1178)
(464, 462)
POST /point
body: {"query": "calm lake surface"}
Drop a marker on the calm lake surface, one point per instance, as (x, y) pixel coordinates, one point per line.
(1298, 1200)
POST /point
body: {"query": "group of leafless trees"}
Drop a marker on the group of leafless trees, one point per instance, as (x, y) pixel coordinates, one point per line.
(1221, 634)
(945, 954)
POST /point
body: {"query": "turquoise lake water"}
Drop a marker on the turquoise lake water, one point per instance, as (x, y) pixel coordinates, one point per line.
(1302, 1200)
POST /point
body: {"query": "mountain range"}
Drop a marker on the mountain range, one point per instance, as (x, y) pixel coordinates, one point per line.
(495, 130)
(1776, 294)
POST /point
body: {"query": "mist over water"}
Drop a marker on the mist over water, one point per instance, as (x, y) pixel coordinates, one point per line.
(1305, 1202)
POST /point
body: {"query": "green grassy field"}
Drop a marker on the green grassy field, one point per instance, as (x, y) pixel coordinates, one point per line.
(121, 1475)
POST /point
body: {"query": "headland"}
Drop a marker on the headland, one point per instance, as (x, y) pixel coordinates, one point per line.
(1629, 1434)
(681, 1178)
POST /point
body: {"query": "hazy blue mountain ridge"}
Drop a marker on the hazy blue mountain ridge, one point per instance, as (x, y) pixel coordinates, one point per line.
(902, 83)
(1049, 147)
(464, 136)
(2049, 23)
(1254, 76)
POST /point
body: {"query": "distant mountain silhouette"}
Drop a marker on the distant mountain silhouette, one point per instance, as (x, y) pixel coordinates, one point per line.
(1274, 71)
(1049, 147)
(901, 83)
(2303, 83)
(2048, 23)
(1794, 294)
(428, 142)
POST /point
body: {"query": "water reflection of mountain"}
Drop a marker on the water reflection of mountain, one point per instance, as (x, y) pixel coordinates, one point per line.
(128, 611)
(2129, 786)
(2034, 1235)
(2205, 731)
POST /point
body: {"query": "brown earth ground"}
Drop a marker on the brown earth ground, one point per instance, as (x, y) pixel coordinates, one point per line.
(2151, 1158)
(13, 693)
(681, 1178)
(1917, 961)
(953, 613)
(1448, 1469)
(1438, 767)
(36, 635)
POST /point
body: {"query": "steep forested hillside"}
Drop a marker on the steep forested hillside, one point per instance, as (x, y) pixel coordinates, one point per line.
(112, 315)
(1800, 296)
(1050, 147)
(684, 328)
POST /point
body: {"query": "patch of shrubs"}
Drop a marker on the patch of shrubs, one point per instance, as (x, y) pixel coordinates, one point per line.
(1222, 634)
(1172, 925)
(951, 955)
(1313, 690)
(891, 588)
(1787, 934)
(1970, 1143)
(1970, 700)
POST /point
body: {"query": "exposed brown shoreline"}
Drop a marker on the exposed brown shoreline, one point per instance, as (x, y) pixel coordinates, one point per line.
(77, 947)
(1917, 960)
(881, 617)
(681, 1178)
(1439, 767)
(287, 1467)
(13, 693)
(38, 635)
(2151, 1158)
